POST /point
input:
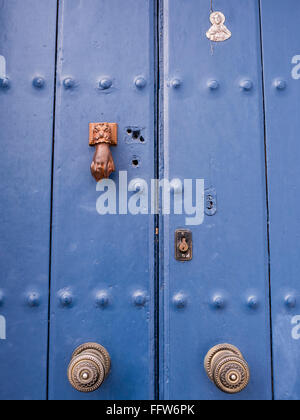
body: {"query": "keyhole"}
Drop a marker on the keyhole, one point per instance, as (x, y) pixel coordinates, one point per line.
(210, 203)
(183, 246)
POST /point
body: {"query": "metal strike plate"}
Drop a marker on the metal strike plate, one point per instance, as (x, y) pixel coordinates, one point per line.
(183, 245)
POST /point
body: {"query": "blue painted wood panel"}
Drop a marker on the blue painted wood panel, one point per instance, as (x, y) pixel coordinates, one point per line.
(281, 51)
(27, 47)
(111, 254)
(215, 133)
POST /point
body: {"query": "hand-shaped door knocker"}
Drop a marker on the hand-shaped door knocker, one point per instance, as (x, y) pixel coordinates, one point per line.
(102, 136)
(218, 32)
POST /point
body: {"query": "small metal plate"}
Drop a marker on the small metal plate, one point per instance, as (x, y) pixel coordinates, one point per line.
(183, 236)
(210, 202)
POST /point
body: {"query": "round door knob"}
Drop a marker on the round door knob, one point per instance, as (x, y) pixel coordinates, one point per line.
(226, 367)
(89, 367)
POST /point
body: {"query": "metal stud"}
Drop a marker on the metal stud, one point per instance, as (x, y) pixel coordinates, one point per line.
(140, 82)
(219, 302)
(176, 83)
(180, 301)
(246, 85)
(213, 84)
(105, 84)
(290, 301)
(252, 302)
(66, 298)
(38, 82)
(33, 299)
(140, 298)
(69, 83)
(102, 299)
(280, 84)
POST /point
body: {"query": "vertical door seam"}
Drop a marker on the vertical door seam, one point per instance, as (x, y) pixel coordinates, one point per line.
(267, 196)
(51, 197)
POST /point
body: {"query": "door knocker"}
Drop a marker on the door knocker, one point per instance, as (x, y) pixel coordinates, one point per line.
(102, 136)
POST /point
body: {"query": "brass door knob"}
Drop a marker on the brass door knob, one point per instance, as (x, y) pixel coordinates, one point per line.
(89, 367)
(226, 367)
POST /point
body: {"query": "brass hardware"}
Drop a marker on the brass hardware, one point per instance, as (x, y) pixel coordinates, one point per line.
(89, 367)
(102, 136)
(103, 133)
(226, 367)
(183, 245)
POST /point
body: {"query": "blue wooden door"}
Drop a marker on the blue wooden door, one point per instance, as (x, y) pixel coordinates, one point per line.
(281, 52)
(213, 129)
(27, 57)
(105, 49)
(216, 124)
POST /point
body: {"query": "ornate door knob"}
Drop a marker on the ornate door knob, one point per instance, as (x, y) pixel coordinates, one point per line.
(89, 367)
(226, 367)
